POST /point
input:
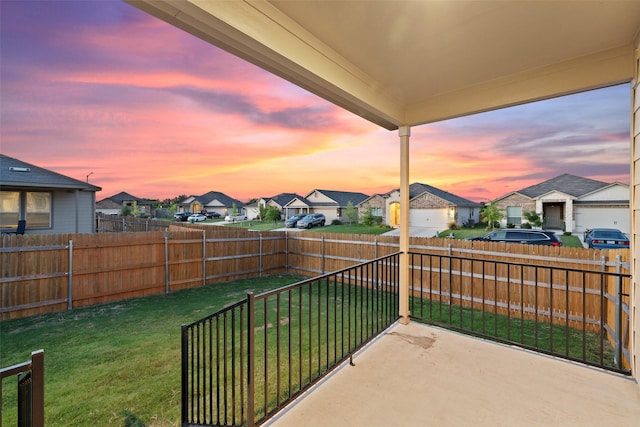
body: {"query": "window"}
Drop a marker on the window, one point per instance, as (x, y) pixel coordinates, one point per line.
(514, 215)
(38, 210)
(9, 209)
(33, 206)
(376, 211)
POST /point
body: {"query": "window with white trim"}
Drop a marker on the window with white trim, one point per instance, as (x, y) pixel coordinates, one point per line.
(514, 215)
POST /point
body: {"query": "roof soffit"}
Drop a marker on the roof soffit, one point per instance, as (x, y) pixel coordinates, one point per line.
(407, 63)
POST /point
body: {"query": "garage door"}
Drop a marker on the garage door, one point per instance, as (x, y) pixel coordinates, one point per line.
(600, 217)
(436, 219)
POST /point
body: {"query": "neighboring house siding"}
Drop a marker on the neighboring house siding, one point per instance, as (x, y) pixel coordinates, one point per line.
(376, 202)
(428, 201)
(67, 218)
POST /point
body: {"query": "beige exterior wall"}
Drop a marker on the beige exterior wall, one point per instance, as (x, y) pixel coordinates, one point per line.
(428, 201)
(635, 209)
(376, 201)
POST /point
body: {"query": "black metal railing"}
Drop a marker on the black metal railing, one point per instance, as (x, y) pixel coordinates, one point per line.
(242, 365)
(575, 314)
(30, 386)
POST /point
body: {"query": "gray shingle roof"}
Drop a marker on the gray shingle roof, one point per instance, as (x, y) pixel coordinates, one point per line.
(283, 198)
(126, 197)
(570, 184)
(221, 197)
(417, 189)
(342, 198)
(16, 173)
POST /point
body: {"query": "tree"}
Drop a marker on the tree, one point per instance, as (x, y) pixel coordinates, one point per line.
(262, 211)
(234, 210)
(135, 210)
(126, 210)
(273, 214)
(368, 219)
(351, 213)
(492, 214)
(534, 218)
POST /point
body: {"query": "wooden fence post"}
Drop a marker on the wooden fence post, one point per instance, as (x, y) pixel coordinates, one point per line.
(204, 257)
(70, 278)
(260, 254)
(166, 264)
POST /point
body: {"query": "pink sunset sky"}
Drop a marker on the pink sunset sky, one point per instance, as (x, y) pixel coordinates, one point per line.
(102, 88)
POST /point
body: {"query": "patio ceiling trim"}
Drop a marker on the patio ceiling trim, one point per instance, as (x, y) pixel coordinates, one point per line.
(263, 34)
(259, 33)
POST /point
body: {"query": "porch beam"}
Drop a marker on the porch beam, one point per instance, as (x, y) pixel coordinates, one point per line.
(404, 133)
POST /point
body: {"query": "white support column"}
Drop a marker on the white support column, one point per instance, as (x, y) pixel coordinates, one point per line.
(404, 133)
(634, 331)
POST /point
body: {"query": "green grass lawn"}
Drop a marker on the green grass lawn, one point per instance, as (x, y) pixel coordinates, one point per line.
(352, 229)
(115, 362)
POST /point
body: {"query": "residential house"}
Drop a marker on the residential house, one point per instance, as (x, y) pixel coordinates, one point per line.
(113, 205)
(213, 201)
(429, 207)
(570, 203)
(49, 202)
(289, 204)
(331, 203)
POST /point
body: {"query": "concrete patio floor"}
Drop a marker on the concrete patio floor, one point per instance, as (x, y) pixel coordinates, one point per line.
(418, 375)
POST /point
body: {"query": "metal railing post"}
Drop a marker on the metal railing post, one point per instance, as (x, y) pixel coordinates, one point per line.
(70, 278)
(251, 306)
(37, 391)
(617, 356)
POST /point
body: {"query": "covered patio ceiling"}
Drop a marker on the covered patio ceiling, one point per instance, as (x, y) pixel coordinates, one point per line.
(406, 63)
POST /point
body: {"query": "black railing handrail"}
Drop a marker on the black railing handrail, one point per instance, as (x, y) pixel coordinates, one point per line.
(519, 264)
(473, 293)
(35, 365)
(241, 368)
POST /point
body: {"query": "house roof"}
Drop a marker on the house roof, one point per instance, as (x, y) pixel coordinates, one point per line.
(416, 189)
(406, 63)
(341, 198)
(209, 197)
(283, 198)
(16, 173)
(572, 185)
(125, 197)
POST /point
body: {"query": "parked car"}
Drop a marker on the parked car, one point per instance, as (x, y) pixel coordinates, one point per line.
(230, 218)
(211, 215)
(181, 216)
(532, 237)
(311, 220)
(606, 238)
(197, 217)
(293, 220)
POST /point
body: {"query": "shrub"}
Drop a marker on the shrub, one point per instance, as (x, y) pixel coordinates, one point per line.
(453, 226)
(377, 220)
(526, 225)
(511, 225)
(336, 222)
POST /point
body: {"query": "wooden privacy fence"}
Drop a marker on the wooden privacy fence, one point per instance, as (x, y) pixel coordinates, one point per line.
(48, 273)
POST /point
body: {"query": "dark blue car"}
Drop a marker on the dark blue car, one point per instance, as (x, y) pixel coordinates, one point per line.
(606, 238)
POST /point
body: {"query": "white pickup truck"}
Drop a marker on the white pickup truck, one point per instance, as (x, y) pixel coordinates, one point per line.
(230, 218)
